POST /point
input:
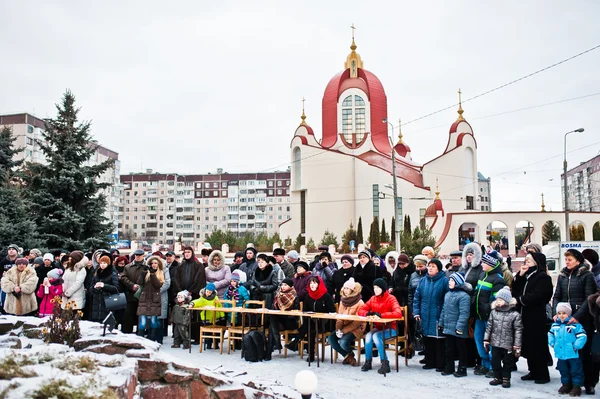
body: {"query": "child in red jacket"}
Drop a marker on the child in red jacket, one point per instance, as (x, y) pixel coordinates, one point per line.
(49, 289)
(381, 305)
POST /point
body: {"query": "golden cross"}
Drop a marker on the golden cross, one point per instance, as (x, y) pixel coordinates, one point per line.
(303, 104)
(353, 28)
(459, 97)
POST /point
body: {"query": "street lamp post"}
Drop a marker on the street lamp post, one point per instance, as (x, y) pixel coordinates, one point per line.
(396, 216)
(567, 230)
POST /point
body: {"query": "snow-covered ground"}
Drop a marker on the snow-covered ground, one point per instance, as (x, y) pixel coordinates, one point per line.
(342, 381)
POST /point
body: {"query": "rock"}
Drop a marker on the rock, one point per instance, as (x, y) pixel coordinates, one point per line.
(127, 390)
(107, 349)
(198, 390)
(6, 326)
(213, 380)
(176, 377)
(138, 353)
(151, 370)
(29, 326)
(82, 344)
(160, 391)
(34, 333)
(231, 393)
(10, 342)
(192, 370)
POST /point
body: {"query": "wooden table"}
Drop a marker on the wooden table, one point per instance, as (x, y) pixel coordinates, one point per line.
(297, 313)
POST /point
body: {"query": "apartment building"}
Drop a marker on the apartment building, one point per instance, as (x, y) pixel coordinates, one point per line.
(28, 131)
(161, 208)
(583, 186)
(484, 186)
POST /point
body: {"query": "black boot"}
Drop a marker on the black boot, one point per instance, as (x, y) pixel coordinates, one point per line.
(505, 382)
(448, 371)
(385, 367)
(367, 366)
(292, 345)
(461, 372)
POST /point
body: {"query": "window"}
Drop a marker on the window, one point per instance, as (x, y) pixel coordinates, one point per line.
(375, 200)
(469, 202)
(353, 120)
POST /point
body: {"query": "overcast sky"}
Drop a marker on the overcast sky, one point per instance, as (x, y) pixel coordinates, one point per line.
(189, 86)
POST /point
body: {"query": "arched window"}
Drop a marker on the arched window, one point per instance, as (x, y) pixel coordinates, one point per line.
(297, 169)
(353, 119)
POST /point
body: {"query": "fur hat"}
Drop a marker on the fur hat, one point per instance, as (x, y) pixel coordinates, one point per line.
(350, 283)
(22, 261)
(205, 251)
(76, 256)
(437, 262)
(288, 281)
(293, 254)
(48, 256)
(365, 253)
(303, 265)
(576, 254)
(564, 307)
(379, 282)
(55, 274)
(349, 258)
(591, 256)
(211, 287)
(279, 251)
(421, 258)
(458, 278)
(504, 294)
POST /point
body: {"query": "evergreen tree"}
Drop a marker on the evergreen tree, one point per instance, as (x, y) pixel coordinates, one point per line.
(577, 233)
(407, 227)
(413, 243)
(384, 235)
(393, 233)
(67, 204)
(550, 232)
(329, 238)
(359, 232)
(375, 235)
(348, 236)
(16, 225)
(310, 245)
(596, 231)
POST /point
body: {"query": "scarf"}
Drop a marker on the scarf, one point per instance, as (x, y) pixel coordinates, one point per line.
(284, 300)
(350, 301)
(321, 290)
(211, 296)
(233, 293)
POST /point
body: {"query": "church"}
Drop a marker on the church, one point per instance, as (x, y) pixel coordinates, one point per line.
(346, 174)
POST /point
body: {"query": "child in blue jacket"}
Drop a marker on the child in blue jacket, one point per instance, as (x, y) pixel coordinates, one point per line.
(237, 292)
(567, 339)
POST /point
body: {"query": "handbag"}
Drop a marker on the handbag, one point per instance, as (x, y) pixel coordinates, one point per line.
(138, 293)
(418, 337)
(596, 347)
(115, 302)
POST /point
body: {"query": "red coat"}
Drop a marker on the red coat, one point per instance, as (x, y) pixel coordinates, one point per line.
(386, 305)
(46, 306)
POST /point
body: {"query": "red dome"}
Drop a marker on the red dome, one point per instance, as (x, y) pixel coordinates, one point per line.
(433, 209)
(402, 149)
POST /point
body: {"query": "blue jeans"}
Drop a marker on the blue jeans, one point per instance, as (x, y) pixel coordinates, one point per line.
(480, 326)
(343, 345)
(571, 371)
(143, 323)
(377, 336)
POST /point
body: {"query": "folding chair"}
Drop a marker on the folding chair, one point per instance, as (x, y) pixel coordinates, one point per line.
(235, 333)
(286, 335)
(401, 339)
(212, 331)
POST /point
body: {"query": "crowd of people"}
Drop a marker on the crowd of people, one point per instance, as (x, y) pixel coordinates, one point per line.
(473, 309)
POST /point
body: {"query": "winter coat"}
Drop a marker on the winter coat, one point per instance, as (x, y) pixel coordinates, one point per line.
(97, 307)
(150, 303)
(533, 292)
(181, 314)
(209, 316)
(164, 293)
(566, 339)
(301, 284)
(219, 275)
(279, 275)
(326, 273)
(489, 284)
(456, 311)
(55, 290)
(287, 268)
(351, 326)
(413, 283)
(263, 286)
(365, 275)
(243, 296)
(386, 305)
(504, 327)
(130, 277)
(42, 273)
(339, 278)
(428, 302)
(249, 268)
(324, 304)
(27, 281)
(400, 282)
(593, 306)
(575, 286)
(172, 269)
(190, 275)
(473, 270)
(73, 288)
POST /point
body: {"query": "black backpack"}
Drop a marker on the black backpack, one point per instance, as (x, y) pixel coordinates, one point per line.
(253, 345)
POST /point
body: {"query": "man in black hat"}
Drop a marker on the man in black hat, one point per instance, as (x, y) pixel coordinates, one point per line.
(130, 280)
(288, 269)
(238, 259)
(455, 263)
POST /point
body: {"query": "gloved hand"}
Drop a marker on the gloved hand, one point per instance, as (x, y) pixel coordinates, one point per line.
(339, 333)
(486, 345)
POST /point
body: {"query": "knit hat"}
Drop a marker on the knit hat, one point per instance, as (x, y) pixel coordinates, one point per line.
(76, 256)
(293, 254)
(350, 283)
(13, 246)
(241, 274)
(421, 258)
(437, 262)
(235, 277)
(504, 294)
(36, 252)
(564, 307)
(349, 258)
(288, 281)
(55, 274)
(379, 282)
(211, 287)
(365, 253)
(183, 294)
(458, 278)
(48, 256)
(591, 256)
(576, 254)
(21, 261)
(403, 258)
(490, 259)
(38, 261)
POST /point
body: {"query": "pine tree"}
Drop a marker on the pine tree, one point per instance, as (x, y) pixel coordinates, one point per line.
(16, 225)
(596, 231)
(375, 235)
(349, 235)
(359, 232)
(329, 239)
(384, 235)
(393, 233)
(550, 232)
(67, 204)
(407, 227)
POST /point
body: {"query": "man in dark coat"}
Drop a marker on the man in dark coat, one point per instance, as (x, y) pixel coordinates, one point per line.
(130, 279)
(401, 279)
(238, 259)
(286, 267)
(365, 273)
(249, 266)
(189, 275)
(455, 263)
(342, 275)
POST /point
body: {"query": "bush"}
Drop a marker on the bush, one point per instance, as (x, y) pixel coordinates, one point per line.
(12, 367)
(63, 325)
(329, 239)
